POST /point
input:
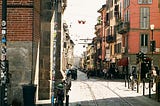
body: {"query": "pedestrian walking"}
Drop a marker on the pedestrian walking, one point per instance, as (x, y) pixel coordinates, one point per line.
(88, 74)
(104, 73)
(134, 73)
(68, 80)
(133, 78)
(110, 73)
(116, 73)
(153, 74)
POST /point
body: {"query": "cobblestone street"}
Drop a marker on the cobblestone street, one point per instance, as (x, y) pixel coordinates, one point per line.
(99, 92)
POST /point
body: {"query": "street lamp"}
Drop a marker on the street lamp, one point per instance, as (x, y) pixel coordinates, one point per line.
(152, 46)
(152, 42)
(152, 28)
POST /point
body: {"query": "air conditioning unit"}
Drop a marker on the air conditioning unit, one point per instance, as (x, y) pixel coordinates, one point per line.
(123, 50)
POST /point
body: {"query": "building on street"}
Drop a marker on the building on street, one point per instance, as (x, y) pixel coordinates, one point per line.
(30, 27)
(124, 29)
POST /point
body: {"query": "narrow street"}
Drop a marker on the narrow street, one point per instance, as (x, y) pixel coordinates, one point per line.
(100, 92)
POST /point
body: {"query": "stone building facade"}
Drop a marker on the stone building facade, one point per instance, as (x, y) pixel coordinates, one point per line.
(67, 49)
(28, 46)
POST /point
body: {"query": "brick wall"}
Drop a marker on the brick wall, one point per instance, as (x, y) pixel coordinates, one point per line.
(20, 20)
(36, 35)
(27, 22)
(20, 16)
(21, 2)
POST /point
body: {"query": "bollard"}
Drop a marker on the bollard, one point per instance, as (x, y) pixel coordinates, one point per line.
(125, 83)
(143, 87)
(67, 100)
(128, 83)
(125, 79)
(149, 88)
(137, 87)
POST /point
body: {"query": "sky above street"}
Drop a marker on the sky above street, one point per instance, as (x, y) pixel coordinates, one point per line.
(85, 10)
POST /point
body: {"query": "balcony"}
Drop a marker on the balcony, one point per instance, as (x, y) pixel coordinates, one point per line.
(123, 27)
(107, 23)
(110, 39)
(98, 26)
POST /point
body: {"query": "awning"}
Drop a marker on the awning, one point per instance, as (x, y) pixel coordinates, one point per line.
(123, 61)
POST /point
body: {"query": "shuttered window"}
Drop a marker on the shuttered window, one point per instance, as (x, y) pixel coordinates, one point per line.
(139, 1)
(144, 18)
(149, 1)
(144, 1)
(126, 3)
(126, 16)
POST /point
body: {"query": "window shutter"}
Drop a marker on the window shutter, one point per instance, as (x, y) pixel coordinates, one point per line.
(146, 21)
(128, 2)
(128, 15)
(142, 18)
(139, 1)
(149, 1)
(144, 14)
(124, 2)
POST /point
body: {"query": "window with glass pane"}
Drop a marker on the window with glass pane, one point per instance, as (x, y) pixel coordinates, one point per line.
(144, 39)
(126, 3)
(126, 16)
(144, 18)
(144, 1)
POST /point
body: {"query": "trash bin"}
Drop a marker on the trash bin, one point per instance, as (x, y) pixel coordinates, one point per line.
(29, 94)
(158, 92)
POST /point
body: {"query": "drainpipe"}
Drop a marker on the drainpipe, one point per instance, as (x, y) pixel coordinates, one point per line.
(56, 74)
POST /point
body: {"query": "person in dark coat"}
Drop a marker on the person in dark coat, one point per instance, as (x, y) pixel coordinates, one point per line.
(88, 74)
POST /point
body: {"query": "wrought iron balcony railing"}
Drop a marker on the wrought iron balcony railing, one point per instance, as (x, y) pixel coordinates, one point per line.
(123, 27)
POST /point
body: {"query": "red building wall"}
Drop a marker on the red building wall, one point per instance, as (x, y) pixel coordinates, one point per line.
(134, 33)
